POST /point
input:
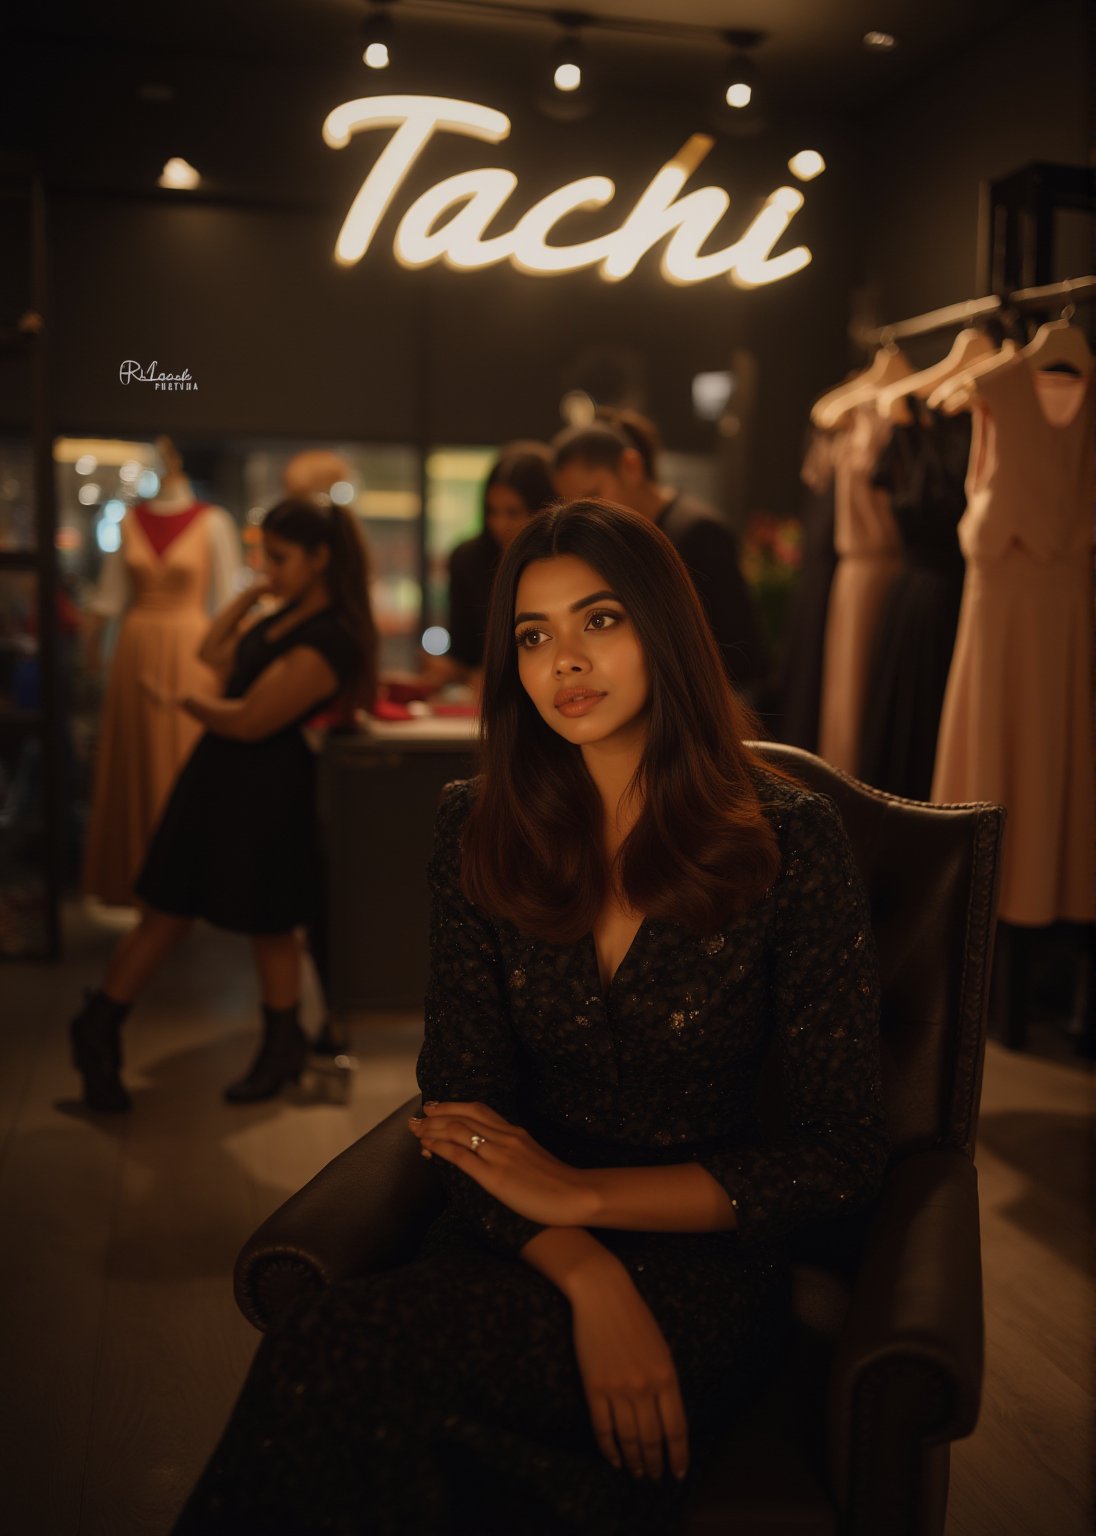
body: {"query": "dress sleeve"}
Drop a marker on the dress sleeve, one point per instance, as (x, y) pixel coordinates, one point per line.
(335, 645)
(469, 1052)
(825, 1005)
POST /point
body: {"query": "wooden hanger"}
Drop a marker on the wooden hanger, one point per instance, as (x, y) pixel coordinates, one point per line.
(957, 393)
(1059, 341)
(887, 366)
(969, 347)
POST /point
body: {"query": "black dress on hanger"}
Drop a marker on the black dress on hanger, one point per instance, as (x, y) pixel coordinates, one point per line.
(924, 467)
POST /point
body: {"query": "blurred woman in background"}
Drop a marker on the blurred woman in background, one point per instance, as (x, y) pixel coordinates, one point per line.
(238, 842)
(519, 486)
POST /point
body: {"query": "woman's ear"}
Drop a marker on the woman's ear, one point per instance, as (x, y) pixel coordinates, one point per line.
(321, 558)
(631, 469)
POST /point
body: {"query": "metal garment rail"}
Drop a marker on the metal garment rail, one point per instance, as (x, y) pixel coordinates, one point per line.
(1075, 290)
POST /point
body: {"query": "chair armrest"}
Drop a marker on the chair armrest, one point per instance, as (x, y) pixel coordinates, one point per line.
(365, 1210)
(907, 1368)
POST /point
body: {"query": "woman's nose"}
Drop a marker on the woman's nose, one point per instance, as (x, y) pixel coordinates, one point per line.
(571, 662)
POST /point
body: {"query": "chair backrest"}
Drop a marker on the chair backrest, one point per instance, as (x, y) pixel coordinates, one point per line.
(931, 873)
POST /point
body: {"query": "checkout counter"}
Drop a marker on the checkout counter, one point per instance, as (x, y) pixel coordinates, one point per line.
(379, 791)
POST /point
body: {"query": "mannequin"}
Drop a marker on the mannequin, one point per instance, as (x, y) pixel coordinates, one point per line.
(161, 583)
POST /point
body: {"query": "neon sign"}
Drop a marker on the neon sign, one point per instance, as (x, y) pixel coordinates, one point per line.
(448, 222)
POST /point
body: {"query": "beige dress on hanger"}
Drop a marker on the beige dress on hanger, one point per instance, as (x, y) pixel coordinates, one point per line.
(142, 742)
(1017, 719)
(869, 557)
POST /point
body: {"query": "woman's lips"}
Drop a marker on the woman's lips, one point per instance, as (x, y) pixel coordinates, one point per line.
(577, 701)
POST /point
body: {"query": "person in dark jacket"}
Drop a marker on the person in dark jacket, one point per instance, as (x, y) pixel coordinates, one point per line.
(615, 458)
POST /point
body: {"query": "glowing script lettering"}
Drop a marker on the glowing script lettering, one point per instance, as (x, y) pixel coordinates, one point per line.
(449, 221)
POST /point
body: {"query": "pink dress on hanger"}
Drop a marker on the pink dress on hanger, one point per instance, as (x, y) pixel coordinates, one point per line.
(142, 742)
(869, 558)
(1017, 719)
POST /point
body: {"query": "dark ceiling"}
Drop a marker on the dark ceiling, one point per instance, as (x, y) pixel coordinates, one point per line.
(812, 50)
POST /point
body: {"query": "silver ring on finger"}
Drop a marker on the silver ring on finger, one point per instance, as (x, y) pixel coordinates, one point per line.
(475, 1141)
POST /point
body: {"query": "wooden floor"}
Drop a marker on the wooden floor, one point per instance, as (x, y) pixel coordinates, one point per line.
(121, 1349)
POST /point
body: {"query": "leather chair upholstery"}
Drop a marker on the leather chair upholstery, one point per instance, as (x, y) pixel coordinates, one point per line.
(885, 1368)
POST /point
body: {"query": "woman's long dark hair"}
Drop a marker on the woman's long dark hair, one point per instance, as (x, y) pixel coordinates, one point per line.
(525, 467)
(311, 522)
(702, 850)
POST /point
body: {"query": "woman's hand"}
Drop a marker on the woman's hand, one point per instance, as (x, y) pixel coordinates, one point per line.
(160, 695)
(507, 1163)
(629, 1375)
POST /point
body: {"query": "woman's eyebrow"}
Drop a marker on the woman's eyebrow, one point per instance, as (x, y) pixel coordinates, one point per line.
(583, 602)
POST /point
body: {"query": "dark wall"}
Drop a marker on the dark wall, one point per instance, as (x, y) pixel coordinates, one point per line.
(1022, 94)
(241, 287)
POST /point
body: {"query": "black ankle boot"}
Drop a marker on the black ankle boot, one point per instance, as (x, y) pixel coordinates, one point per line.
(330, 1041)
(97, 1052)
(282, 1054)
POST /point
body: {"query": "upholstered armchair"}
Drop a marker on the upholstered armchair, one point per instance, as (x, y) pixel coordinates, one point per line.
(885, 1371)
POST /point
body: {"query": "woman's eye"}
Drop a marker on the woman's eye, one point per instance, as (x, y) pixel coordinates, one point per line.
(529, 638)
(598, 620)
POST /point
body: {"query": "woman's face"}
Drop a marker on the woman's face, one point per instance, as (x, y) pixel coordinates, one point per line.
(290, 568)
(507, 514)
(579, 658)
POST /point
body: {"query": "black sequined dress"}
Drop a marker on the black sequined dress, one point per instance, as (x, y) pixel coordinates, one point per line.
(443, 1396)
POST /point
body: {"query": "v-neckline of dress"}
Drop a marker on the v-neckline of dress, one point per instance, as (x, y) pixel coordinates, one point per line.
(161, 556)
(1041, 410)
(604, 988)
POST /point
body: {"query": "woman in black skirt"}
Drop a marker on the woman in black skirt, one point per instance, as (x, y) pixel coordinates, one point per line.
(630, 911)
(238, 841)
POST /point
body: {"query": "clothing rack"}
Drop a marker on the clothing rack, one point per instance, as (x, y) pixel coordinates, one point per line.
(1075, 290)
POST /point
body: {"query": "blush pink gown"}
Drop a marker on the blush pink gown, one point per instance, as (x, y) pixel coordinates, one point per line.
(143, 743)
(1016, 726)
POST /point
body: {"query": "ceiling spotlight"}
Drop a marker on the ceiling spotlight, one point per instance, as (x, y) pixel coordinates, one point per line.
(807, 164)
(179, 175)
(740, 82)
(880, 42)
(377, 38)
(567, 59)
(740, 74)
(565, 90)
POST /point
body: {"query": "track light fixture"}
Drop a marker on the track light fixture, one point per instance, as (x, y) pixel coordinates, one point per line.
(377, 36)
(741, 73)
(569, 55)
(567, 64)
(566, 92)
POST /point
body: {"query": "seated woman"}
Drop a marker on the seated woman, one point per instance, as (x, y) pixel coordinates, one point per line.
(629, 911)
(518, 487)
